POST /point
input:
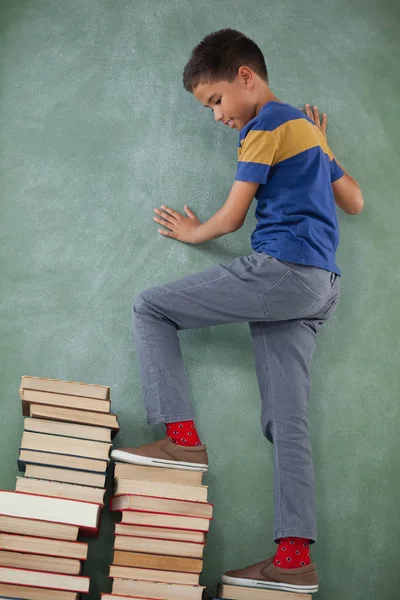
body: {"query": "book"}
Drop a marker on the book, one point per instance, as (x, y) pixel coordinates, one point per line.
(64, 461)
(150, 589)
(31, 593)
(65, 475)
(33, 545)
(30, 506)
(50, 399)
(46, 529)
(56, 489)
(71, 583)
(161, 489)
(120, 597)
(36, 562)
(153, 546)
(135, 517)
(153, 575)
(84, 432)
(161, 533)
(73, 388)
(127, 471)
(162, 505)
(236, 592)
(141, 560)
(70, 415)
(64, 445)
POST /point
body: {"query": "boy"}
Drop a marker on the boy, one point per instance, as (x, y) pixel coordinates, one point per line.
(286, 289)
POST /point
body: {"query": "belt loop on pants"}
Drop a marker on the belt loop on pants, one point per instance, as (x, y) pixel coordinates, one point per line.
(333, 278)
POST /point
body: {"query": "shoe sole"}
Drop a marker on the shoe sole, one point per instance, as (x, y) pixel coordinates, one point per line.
(270, 585)
(148, 461)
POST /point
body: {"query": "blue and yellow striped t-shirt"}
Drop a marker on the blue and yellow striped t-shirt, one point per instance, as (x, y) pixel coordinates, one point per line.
(286, 153)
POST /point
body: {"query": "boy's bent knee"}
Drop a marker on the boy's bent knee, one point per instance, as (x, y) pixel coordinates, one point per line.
(142, 299)
(139, 300)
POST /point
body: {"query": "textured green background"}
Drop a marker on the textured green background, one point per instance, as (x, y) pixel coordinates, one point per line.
(95, 131)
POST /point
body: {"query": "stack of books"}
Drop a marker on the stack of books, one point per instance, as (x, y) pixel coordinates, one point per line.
(160, 540)
(64, 454)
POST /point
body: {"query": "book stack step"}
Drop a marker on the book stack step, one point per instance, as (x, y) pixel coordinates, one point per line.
(237, 592)
(160, 539)
(64, 455)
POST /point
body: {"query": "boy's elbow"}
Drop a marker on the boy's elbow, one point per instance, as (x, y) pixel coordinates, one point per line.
(348, 195)
(356, 205)
(235, 225)
(231, 223)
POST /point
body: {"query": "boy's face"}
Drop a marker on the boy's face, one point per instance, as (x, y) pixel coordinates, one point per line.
(233, 103)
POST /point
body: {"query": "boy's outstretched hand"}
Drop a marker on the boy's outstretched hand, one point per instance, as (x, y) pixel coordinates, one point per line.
(178, 226)
(314, 115)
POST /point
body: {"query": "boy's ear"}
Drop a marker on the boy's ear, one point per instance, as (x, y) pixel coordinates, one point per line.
(246, 76)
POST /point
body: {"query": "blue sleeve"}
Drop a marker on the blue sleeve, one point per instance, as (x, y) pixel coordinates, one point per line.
(256, 155)
(336, 171)
(250, 171)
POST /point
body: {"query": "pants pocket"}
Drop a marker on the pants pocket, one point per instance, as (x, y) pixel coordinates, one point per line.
(291, 298)
(330, 308)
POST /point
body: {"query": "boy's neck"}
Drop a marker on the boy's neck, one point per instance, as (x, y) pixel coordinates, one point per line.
(264, 95)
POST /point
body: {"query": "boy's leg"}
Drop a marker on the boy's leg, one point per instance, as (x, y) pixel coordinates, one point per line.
(283, 352)
(252, 288)
(288, 301)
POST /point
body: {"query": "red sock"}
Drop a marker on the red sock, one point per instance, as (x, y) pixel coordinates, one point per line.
(292, 553)
(183, 433)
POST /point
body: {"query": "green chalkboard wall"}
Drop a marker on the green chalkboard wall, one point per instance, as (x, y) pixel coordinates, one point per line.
(95, 131)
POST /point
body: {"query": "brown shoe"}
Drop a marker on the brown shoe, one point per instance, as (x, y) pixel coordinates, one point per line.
(164, 453)
(266, 576)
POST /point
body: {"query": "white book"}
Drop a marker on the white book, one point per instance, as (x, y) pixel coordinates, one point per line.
(150, 589)
(65, 475)
(42, 508)
(73, 583)
(63, 445)
(73, 430)
(26, 592)
(161, 489)
(75, 388)
(56, 489)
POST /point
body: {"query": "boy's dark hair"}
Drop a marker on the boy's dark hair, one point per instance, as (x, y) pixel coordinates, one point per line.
(219, 56)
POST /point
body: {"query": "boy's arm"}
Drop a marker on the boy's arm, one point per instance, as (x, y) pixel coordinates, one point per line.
(231, 216)
(227, 219)
(346, 190)
(348, 195)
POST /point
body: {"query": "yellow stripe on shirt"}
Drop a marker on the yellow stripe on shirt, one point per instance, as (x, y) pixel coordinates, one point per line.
(258, 147)
(287, 140)
(298, 136)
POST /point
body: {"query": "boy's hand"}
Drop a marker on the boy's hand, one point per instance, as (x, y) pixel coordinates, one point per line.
(316, 118)
(179, 227)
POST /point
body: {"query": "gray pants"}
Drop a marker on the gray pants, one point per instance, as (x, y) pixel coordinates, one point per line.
(285, 305)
